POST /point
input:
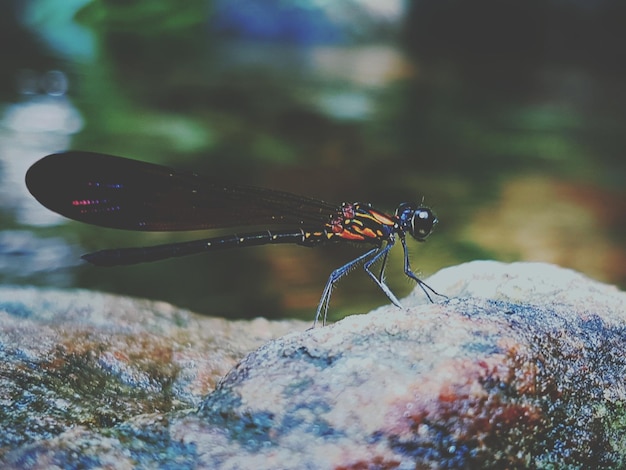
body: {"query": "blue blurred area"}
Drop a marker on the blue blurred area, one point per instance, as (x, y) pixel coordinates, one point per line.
(507, 117)
(286, 22)
(307, 22)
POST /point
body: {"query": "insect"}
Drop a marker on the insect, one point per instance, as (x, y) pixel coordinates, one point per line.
(120, 193)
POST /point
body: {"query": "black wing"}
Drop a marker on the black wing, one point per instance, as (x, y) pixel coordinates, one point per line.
(121, 193)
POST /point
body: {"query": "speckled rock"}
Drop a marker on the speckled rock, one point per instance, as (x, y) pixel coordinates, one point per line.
(80, 358)
(523, 367)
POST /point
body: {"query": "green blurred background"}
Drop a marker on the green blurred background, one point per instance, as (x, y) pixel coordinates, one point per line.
(507, 117)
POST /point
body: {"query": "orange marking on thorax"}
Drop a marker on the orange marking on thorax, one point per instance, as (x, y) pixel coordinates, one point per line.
(368, 232)
(349, 235)
(363, 225)
(381, 218)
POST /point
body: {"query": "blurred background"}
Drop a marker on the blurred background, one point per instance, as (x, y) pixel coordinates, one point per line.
(507, 117)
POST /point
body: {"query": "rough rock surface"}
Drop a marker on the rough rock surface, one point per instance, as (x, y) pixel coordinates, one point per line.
(523, 367)
(80, 358)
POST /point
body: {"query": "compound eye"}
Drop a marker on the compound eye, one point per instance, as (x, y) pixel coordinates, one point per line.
(422, 223)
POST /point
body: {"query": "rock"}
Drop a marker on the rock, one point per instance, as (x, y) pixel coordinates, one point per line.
(80, 358)
(523, 367)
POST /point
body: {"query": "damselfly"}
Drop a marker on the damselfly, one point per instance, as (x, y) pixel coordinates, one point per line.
(127, 194)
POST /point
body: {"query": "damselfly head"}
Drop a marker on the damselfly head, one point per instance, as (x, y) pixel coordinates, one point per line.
(418, 221)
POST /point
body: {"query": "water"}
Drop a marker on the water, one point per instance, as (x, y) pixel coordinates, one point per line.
(520, 159)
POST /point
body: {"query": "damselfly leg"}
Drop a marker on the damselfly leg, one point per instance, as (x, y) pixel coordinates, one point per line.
(332, 280)
(407, 270)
